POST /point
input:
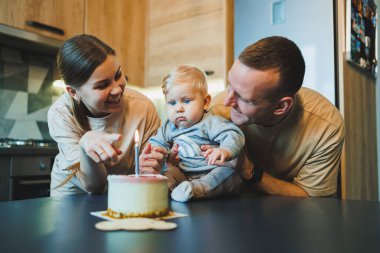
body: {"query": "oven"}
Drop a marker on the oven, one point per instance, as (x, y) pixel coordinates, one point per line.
(25, 169)
(29, 177)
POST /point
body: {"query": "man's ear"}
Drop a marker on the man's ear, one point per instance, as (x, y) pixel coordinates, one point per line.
(72, 92)
(207, 101)
(283, 106)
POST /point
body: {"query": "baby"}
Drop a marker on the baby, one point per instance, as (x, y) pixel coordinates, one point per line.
(190, 126)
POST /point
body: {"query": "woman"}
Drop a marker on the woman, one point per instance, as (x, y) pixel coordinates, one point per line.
(95, 121)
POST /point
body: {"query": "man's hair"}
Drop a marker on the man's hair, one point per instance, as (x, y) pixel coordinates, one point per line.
(185, 74)
(279, 54)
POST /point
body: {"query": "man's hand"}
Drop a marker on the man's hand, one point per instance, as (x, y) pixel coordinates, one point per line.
(214, 155)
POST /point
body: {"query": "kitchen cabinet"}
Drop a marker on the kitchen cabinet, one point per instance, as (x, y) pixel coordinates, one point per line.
(121, 24)
(195, 32)
(58, 19)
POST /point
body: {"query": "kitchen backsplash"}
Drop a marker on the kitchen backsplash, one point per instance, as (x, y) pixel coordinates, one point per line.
(26, 93)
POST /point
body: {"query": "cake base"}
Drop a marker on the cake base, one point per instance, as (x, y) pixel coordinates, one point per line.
(120, 215)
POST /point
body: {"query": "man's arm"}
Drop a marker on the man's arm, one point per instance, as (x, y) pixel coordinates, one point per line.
(267, 184)
(272, 185)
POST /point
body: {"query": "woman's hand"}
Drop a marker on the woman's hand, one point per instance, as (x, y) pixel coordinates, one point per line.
(152, 158)
(100, 147)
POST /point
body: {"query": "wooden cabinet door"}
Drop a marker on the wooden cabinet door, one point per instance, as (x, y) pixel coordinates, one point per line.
(121, 24)
(45, 17)
(188, 32)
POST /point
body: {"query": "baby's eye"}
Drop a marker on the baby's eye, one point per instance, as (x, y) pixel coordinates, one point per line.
(171, 103)
(186, 100)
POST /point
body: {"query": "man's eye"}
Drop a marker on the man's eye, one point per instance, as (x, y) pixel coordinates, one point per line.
(171, 102)
(186, 101)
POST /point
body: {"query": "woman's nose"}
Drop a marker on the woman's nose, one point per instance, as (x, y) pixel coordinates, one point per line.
(118, 87)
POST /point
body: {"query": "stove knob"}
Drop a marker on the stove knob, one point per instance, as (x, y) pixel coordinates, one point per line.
(43, 166)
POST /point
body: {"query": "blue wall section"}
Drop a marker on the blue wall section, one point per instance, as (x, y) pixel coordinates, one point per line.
(308, 23)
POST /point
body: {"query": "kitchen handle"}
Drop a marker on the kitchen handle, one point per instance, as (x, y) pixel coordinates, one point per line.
(42, 26)
(209, 72)
(34, 182)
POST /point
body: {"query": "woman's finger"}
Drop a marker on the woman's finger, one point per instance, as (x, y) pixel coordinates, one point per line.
(111, 138)
(94, 156)
(147, 149)
(148, 170)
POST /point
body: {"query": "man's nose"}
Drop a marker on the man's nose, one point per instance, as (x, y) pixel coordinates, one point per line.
(230, 99)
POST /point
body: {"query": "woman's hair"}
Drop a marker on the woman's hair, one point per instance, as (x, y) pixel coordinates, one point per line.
(185, 74)
(77, 59)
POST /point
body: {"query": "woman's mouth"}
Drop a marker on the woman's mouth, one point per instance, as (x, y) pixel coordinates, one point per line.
(114, 101)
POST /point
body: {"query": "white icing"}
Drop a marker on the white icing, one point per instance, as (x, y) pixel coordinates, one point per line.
(137, 195)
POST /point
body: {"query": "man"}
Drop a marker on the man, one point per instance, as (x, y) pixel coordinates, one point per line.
(294, 136)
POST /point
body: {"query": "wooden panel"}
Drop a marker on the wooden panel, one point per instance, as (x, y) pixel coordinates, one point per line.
(181, 32)
(121, 24)
(360, 175)
(64, 14)
(167, 11)
(229, 35)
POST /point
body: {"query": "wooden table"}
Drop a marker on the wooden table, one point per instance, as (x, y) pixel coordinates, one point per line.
(241, 223)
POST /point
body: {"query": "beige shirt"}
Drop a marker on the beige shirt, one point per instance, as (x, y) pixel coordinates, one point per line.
(305, 148)
(138, 113)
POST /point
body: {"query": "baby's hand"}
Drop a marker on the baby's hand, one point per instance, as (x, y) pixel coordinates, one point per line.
(217, 155)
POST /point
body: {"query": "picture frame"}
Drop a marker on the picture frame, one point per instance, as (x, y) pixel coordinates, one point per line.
(361, 35)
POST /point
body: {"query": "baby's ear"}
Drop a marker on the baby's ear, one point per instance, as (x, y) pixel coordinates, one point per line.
(207, 101)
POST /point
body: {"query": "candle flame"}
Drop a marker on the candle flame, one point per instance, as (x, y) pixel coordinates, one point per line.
(137, 137)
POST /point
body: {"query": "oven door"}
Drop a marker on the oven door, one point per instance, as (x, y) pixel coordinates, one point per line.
(30, 187)
(30, 177)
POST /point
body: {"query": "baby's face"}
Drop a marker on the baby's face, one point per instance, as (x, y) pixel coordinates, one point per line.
(185, 105)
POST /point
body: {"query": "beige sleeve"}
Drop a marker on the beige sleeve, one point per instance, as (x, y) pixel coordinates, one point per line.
(63, 130)
(318, 177)
(152, 123)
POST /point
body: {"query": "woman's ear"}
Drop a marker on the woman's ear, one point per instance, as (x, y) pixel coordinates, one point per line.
(207, 101)
(72, 92)
(283, 106)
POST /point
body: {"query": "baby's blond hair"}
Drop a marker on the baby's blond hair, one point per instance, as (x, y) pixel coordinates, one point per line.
(185, 74)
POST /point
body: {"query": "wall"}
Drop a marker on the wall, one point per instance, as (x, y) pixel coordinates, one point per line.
(378, 102)
(26, 93)
(359, 160)
(308, 23)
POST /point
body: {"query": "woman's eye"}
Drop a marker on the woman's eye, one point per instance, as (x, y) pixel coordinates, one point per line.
(171, 102)
(102, 85)
(118, 75)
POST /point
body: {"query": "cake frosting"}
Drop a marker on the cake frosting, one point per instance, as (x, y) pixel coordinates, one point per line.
(137, 196)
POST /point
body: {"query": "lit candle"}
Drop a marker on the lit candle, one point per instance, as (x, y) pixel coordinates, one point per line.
(137, 138)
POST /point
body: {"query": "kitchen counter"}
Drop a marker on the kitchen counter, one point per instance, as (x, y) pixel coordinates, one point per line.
(50, 151)
(243, 223)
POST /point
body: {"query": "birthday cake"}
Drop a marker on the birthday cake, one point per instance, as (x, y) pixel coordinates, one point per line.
(137, 196)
